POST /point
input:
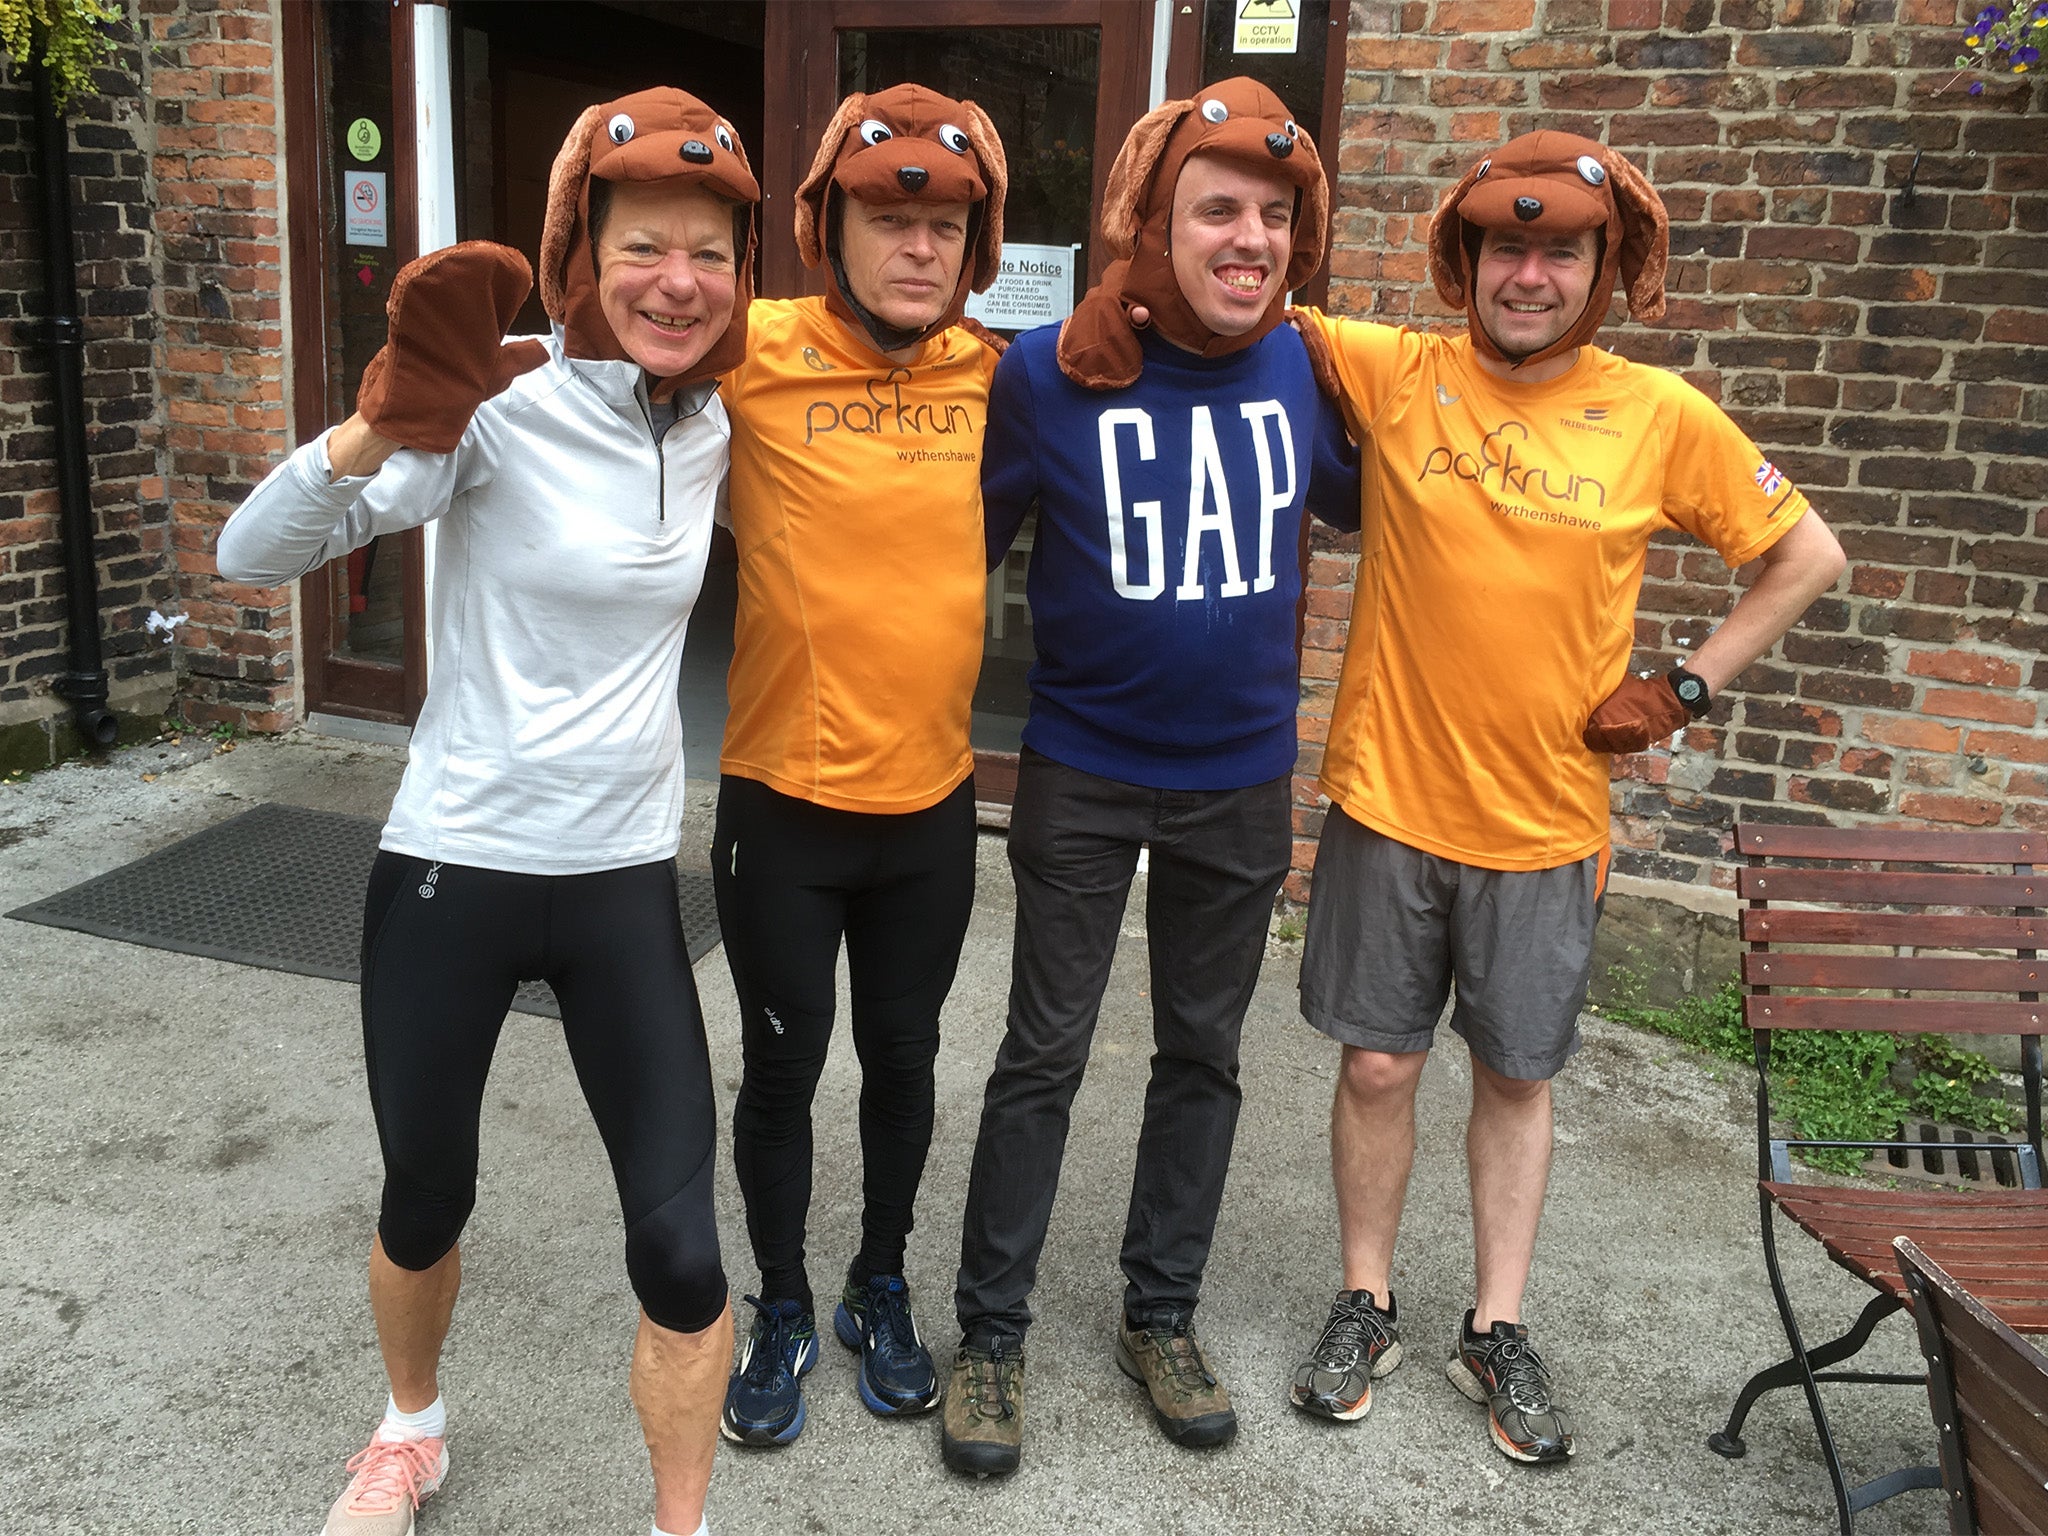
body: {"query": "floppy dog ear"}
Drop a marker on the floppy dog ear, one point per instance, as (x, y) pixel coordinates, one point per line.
(995, 170)
(1312, 228)
(1446, 232)
(565, 200)
(1123, 201)
(810, 196)
(1645, 237)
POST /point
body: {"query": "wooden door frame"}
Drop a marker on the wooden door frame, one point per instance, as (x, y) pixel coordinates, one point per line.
(338, 684)
(801, 89)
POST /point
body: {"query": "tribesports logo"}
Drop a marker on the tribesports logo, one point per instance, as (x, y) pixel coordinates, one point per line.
(1592, 419)
(1768, 478)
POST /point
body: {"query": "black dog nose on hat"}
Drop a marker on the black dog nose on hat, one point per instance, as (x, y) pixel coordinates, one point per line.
(696, 151)
(913, 177)
(1527, 208)
(1279, 145)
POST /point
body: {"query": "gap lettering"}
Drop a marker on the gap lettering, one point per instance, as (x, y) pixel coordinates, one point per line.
(1209, 510)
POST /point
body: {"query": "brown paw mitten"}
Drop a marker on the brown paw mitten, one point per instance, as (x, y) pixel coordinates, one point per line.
(1641, 711)
(448, 313)
(1322, 362)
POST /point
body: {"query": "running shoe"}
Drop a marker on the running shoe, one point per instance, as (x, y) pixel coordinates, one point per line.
(1359, 1344)
(1499, 1369)
(389, 1479)
(896, 1371)
(764, 1401)
(983, 1429)
(1166, 1359)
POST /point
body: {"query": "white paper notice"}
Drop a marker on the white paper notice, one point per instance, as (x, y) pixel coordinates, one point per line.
(1036, 287)
(365, 220)
(1266, 26)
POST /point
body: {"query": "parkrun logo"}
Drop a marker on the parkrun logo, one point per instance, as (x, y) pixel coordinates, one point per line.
(884, 410)
(1499, 467)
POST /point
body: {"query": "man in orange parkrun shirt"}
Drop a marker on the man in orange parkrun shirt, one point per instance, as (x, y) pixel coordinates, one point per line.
(846, 808)
(1513, 478)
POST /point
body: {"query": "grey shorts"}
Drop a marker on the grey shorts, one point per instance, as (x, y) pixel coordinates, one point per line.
(1391, 927)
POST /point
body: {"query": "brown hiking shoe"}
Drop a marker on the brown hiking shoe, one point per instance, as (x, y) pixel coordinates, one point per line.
(982, 1429)
(1167, 1361)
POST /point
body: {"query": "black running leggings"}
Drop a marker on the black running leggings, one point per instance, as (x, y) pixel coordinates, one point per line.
(792, 879)
(444, 948)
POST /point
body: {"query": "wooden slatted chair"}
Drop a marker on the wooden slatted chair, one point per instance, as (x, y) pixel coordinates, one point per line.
(1842, 894)
(1988, 1388)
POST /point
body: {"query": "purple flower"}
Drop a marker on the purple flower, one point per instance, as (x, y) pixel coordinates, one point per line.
(1990, 16)
(1976, 87)
(2023, 58)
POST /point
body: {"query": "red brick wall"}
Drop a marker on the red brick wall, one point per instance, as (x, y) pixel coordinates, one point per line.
(1887, 351)
(113, 248)
(175, 167)
(213, 96)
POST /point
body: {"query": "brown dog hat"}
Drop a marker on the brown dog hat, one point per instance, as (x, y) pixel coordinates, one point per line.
(660, 135)
(1552, 183)
(1238, 120)
(906, 145)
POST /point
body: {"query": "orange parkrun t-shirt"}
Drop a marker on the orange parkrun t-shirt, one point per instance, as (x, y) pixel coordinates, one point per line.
(1503, 532)
(856, 506)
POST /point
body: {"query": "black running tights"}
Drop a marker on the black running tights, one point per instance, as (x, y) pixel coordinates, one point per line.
(792, 879)
(444, 948)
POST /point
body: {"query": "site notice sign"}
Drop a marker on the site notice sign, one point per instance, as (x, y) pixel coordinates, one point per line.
(365, 219)
(1035, 287)
(1267, 26)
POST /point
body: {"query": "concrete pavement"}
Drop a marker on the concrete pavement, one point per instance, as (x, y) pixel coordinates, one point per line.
(191, 1181)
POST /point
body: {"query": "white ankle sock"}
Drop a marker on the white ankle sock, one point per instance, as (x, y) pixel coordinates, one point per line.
(703, 1528)
(430, 1423)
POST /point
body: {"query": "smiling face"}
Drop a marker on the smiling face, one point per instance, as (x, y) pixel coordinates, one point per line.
(902, 260)
(1232, 235)
(665, 272)
(1529, 289)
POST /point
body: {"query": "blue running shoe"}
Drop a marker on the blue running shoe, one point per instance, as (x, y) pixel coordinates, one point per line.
(764, 1401)
(896, 1372)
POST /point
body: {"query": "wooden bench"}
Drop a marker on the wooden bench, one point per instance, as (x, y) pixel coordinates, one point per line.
(1863, 904)
(1988, 1389)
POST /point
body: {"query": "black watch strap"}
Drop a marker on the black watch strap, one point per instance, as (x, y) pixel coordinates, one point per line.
(1692, 693)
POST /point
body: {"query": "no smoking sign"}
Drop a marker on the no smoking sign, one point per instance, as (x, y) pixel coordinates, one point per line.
(363, 215)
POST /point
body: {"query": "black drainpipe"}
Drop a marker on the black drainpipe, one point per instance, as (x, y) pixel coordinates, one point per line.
(85, 685)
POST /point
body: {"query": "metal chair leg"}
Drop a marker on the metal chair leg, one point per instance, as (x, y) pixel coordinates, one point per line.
(1829, 1455)
(1786, 1373)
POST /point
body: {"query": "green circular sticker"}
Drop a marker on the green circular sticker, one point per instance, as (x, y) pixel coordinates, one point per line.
(364, 141)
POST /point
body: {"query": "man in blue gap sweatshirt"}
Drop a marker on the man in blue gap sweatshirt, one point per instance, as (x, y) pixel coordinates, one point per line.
(1167, 452)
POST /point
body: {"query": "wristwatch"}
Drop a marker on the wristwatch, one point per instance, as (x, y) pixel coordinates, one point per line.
(1692, 693)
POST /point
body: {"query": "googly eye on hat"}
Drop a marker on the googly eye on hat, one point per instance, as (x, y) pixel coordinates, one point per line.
(1594, 172)
(723, 135)
(1214, 111)
(874, 131)
(619, 129)
(954, 138)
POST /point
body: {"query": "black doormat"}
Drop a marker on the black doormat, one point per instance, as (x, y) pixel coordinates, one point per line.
(280, 887)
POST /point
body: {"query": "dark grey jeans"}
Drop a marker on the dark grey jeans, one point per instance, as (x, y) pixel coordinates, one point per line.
(1217, 860)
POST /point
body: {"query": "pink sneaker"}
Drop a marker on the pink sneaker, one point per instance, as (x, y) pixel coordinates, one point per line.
(391, 1478)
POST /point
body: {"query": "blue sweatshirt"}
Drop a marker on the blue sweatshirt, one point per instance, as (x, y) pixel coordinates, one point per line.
(1166, 571)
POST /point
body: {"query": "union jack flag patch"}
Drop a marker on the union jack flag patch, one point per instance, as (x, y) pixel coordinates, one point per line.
(1768, 478)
